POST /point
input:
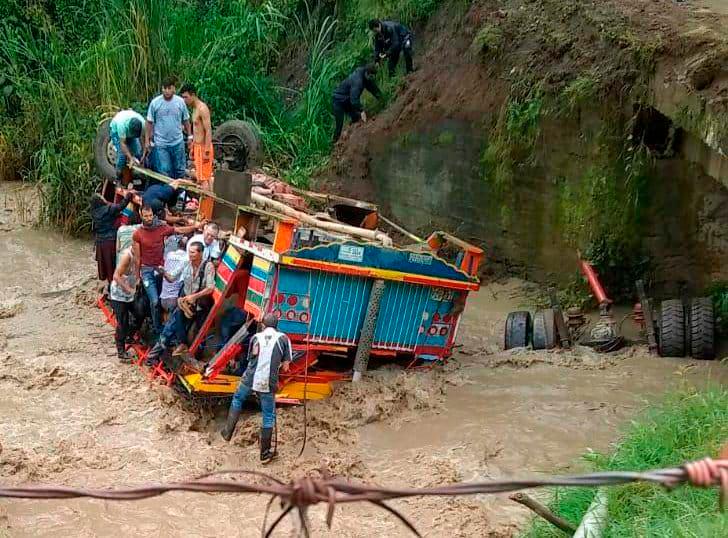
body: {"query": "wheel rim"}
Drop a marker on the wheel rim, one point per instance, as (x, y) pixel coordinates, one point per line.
(234, 151)
(111, 155)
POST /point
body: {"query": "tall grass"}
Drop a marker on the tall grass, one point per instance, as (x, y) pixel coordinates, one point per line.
(72, 62)
(687, 425)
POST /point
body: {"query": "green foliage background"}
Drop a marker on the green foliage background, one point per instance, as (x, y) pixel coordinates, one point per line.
(66, 64)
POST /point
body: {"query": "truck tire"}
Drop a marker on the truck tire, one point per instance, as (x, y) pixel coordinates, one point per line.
(518, 330)
(544, 329)
(672, 328)
(104, 152)
(701, 330)
(240, 147)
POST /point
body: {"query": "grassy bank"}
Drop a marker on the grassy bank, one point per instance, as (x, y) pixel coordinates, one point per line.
(61, 76)
(686, 426)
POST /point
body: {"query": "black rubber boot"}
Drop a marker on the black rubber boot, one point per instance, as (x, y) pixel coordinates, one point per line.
(122, 354)
(266, 454)
(232, 421)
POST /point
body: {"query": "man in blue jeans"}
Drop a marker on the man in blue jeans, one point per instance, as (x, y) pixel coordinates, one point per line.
(270, 350)
(168, 120)
(198, 279)
(148, 248)
(125, 130)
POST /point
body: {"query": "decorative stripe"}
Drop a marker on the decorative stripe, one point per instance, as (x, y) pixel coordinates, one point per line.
(254, 298)
(233, 254)
(384, 274)
(225, 272)
(256, 285)
(220, 284)
(252, 308)
(257, 272)
(228, 262)
(263, 265)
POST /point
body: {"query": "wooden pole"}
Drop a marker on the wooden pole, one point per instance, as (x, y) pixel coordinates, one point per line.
(366, 337)
(544, 512)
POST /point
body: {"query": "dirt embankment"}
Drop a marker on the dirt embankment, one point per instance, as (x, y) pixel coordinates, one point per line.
(468, 76)
(579, 73)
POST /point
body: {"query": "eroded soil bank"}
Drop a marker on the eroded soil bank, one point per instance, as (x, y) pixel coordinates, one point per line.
(70, 414)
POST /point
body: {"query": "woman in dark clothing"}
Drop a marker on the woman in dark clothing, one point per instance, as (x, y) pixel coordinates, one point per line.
(104, 217)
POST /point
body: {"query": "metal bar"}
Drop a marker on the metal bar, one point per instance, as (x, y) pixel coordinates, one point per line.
(564, 335)
(647, 312)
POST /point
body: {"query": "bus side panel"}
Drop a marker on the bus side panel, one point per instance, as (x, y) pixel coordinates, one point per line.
(336, 304)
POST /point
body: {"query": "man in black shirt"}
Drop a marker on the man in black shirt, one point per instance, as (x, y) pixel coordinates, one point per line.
(391, 39)
(347, 96)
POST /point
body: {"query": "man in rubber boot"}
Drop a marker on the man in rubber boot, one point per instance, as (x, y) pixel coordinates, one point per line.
(270, 350)
(125, 131)
(390, 40)
(347, 96)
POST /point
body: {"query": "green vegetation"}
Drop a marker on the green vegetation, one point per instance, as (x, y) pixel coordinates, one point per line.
(688, 425)
(718, 291)
(69, 63)
(488, 40)
(512, 140)
(579, 92)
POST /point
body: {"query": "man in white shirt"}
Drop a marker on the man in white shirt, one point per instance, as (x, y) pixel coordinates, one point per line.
(174, 264)
(208, 238)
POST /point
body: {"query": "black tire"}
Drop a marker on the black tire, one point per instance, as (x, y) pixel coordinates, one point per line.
(544, 329)
(701, 330)
(240, 133)
(518, 331)
(672, 328)
(104, 152)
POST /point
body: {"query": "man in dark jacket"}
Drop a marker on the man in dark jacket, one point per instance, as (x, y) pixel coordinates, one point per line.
(104, 217)
(391, 39)
(347, 96)
(269, 351)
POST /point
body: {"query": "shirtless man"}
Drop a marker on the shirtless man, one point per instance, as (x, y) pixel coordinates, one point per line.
(201, 139)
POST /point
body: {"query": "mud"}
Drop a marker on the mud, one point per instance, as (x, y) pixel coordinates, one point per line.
(71, 414)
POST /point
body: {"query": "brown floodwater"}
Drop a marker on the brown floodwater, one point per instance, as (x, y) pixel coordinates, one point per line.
(70, 414)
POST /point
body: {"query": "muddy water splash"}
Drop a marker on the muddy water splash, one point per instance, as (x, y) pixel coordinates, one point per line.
(69, 413)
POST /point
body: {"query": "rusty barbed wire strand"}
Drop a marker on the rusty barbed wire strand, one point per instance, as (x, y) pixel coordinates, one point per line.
(302, 493)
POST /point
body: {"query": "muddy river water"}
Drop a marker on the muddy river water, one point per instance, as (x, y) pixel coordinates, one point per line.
(70, 414)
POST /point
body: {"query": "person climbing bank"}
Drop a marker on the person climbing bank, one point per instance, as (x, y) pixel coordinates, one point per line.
(269, 351)
(347, 96)
(390, 40)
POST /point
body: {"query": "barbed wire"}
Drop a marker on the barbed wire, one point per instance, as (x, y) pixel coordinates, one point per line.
(302, 493)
